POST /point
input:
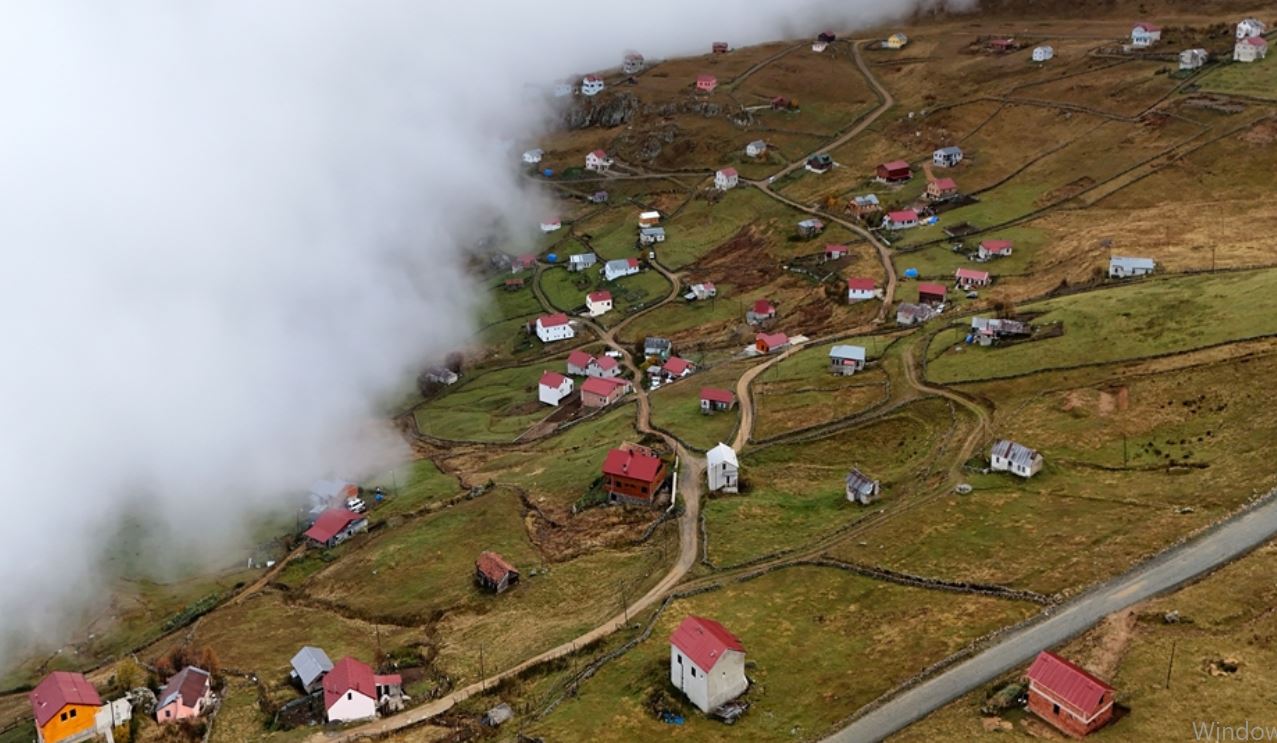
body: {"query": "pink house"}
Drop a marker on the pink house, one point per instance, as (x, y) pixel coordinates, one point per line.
(706, 83)
(186, 695)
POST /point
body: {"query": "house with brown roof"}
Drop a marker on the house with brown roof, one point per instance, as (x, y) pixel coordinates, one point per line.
(1068, 697)
(493, 573)
(186, 695)
(931, 293)
(65, 707)
(896, 171)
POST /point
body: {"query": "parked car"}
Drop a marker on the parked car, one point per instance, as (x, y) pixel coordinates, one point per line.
(357, 505)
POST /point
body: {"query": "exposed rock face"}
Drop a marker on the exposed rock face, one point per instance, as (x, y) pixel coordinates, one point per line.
(604, 111)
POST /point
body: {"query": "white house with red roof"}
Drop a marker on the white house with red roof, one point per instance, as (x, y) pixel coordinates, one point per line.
(969, 278)
(592, 85)
(1250, 49)
(615, 269)
(706, 83)
(335, 526)
(598, 161)
(716, 398)
(553, 387)
(900, 220)
(598, 303)
(603, 367)
(707, 663)
(551, 224)
(579, 362)
(860, 289)
(1144, 35)
(834, 252)
(350, 691)
(761, 310)
(555, 327)
(725, 179)
(677, 368)
(994, 249)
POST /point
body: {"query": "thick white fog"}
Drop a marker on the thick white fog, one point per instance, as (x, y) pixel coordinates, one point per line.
(230, 229)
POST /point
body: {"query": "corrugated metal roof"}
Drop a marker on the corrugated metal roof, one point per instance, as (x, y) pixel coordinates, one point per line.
(310, 663)
(1068, 683)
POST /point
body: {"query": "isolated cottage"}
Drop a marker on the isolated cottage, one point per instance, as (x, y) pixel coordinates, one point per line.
(1250, 28)
(598, 161)
(603, 367)
(932, 293)
(707, 663)
(994, 249)
(335, 526)
(633, 474)
(599, 392)
(770, 342)
(702, 290)
(896, 41)
(598, 303)
(846, 360)
(1192, 59)
(493, 573)
(706, 83)
(677, 368)
(186, 695)
(946, 157)
(714, 399)
(900, 220)
(1250, 50)
(1067, 697)
(613, 270)
(1144, 35)
(1043, 53)
(896, 171)
(350, 692)
(1125, 268)
(1008, 456)
(834, 252)
(555, 327)
(761, 310)
(860, 489)
(726, 179)
(969, 278)
(942, 189)
(810, 227)
(553, 388)
(632, 64)
(820, 163)
(864, 206)
(309, 666)
(908, 314)
(551, 224)
(533, 156)
(592, 85)
(582, 261)
(721, 469)
(65, 706)
(860, 288)
(719, 47)
(757, 148)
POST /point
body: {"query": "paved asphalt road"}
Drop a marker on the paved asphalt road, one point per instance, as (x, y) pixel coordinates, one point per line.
(1159, 575)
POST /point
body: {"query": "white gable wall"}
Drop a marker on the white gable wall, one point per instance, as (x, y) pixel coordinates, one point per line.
(352, 706)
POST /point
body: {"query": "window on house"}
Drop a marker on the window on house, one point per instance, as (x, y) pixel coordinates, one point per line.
(350, 695)
(64, 717)
(71, 712)
(1055, 709)
(680, 658)
(693, 672)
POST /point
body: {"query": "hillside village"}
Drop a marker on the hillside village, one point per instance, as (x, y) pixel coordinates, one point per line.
(839, 361)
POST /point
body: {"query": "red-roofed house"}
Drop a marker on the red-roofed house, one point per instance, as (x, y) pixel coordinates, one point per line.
(1144, 35)
(350, 691)
(599, 392)
(677, 368)
(931, 293)
(995, 249)
(598, 161)
(598, 303)
(1250, 49)
(770, 342)
(65, 705)
(186, 695)
(551, 224)
(719, 47)
(706, 83)
(579, 362)
(523, 262)
(553, 387)
(550, 328)
(725, 179)
(942, 188)
(762, 310)
(633, 473)
(714, 399)
(1068, 697)
(592, 85)
(896, 171)
(604, 367)
(969, 278)
(493, 573)
(335, 526)
(900, 220)
(707, 663)
(859, 289)
(834, 252)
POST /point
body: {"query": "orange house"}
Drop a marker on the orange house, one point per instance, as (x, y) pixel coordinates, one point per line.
(65, 707)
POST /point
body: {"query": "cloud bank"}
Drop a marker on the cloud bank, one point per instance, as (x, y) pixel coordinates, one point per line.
(231, 228)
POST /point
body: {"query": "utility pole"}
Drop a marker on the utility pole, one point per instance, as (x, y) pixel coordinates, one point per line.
(482, 675)
(1125, 457)
(625, 607)
(1170, 664)
(1212, 258)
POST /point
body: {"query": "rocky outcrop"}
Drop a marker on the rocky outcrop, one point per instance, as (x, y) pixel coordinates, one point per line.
(603, 111)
